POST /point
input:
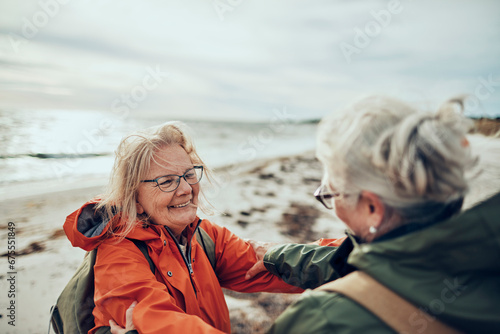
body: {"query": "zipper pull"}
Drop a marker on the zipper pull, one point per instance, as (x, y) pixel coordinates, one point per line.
(190, 269)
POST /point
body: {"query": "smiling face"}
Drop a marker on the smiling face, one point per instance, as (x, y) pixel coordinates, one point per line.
(175, 209)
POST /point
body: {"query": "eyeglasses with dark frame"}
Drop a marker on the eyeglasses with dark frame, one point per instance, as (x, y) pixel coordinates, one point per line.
(169, 183)
(325, 198)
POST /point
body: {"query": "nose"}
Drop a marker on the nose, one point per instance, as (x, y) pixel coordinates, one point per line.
(184, 187)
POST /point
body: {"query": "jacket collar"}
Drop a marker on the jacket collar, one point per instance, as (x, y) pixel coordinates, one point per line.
(438, 246)
(152, 231)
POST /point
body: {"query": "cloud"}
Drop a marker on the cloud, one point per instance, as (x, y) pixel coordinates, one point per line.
(263, 55)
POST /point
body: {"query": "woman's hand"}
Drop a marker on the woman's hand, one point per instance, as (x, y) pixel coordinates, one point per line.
(116, 329)
(260, 249)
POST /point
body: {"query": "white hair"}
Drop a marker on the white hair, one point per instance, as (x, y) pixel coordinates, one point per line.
(414, 161)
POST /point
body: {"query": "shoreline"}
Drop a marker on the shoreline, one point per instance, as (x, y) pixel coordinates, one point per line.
(31, 190)
(27, 190)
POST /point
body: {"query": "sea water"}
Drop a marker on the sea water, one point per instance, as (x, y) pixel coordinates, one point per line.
(70, 145)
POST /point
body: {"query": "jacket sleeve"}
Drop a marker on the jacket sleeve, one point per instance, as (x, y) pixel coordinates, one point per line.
(234, 257)
(329, 242)
(122, 275)
(306, 266)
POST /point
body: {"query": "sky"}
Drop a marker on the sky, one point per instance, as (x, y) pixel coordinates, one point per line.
(243, 60)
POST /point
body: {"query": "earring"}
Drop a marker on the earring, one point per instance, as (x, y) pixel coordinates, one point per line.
(372, 230)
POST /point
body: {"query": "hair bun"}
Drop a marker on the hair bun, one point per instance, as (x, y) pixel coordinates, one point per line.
(425, 156)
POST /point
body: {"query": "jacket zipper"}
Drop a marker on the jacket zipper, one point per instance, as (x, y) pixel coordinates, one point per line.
(187, 260)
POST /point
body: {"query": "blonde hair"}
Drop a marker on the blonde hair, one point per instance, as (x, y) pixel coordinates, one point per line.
(414, 161)
(132, 163)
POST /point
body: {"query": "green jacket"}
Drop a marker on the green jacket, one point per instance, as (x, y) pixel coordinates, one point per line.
(450, 269)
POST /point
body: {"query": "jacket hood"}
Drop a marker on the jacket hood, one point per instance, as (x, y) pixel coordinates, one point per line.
(446, 268)
(87, 228)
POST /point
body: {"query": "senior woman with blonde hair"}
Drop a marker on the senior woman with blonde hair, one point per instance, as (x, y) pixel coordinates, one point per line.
(153, 197)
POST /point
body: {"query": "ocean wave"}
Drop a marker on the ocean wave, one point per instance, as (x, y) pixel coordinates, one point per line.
(55, 155)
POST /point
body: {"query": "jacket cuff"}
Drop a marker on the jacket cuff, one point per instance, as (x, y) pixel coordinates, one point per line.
(268, 263)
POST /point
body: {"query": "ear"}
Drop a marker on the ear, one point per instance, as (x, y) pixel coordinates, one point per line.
(373, 208)
(138, 207)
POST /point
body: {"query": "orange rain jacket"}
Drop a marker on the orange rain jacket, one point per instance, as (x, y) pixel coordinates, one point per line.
(184, 295)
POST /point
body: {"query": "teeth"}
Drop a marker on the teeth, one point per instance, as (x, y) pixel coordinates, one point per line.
(181, 205)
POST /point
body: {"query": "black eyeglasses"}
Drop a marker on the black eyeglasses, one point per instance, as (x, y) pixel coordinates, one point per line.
(168, 183)
(325, 198)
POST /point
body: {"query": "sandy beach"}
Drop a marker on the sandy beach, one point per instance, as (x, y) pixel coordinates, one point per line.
(268, 200)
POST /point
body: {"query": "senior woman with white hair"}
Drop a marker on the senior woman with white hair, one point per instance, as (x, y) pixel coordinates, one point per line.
(397, 178)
